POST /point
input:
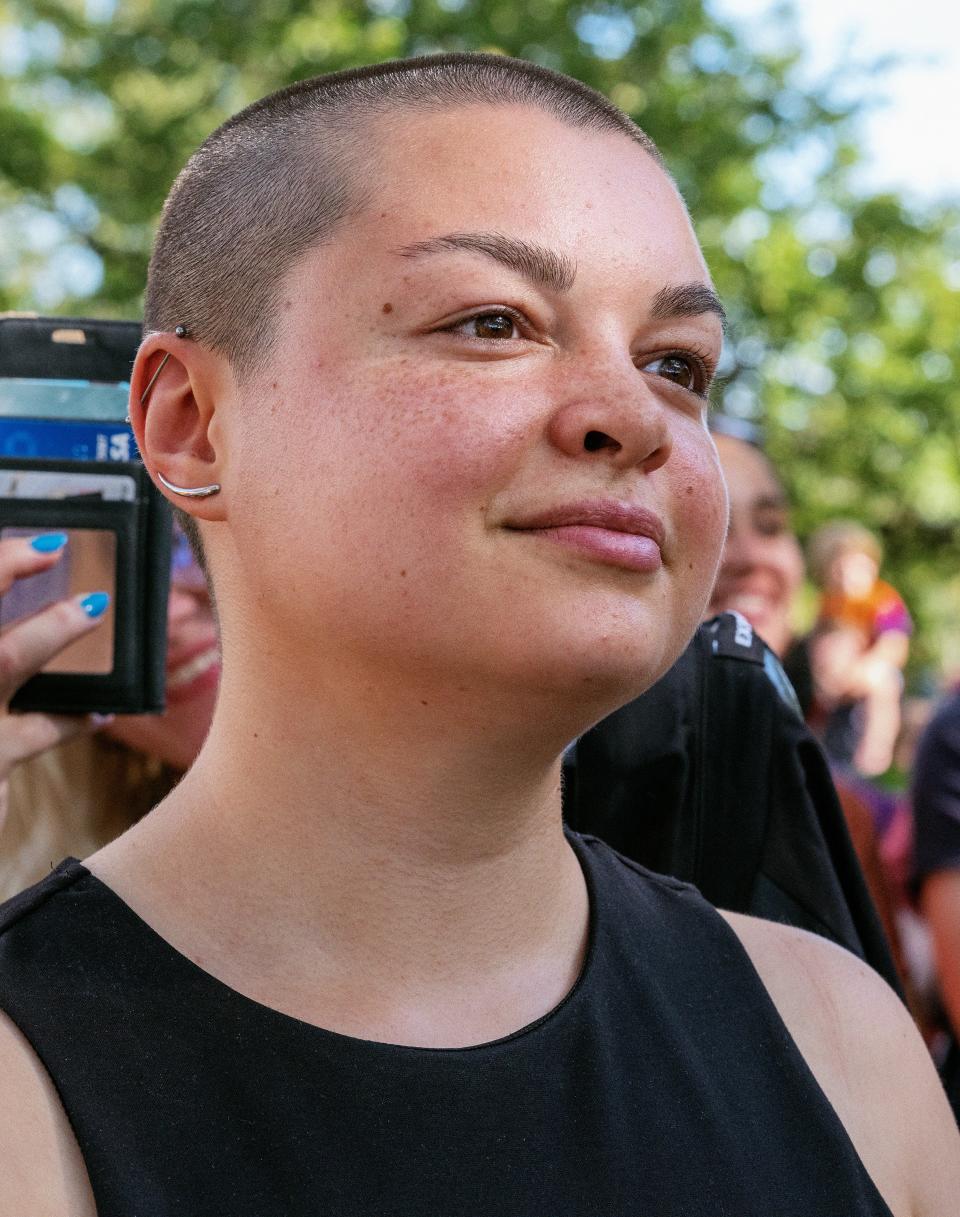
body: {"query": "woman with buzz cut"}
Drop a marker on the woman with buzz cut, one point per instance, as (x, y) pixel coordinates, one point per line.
(428, 349)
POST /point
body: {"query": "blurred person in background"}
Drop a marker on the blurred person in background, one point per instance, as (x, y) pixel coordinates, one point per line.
(936, 810)
(81, 790)
(858, 649)
(762, 566)
(760, 576)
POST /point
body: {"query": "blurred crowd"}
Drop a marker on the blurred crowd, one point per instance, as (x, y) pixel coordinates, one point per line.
(847, 670)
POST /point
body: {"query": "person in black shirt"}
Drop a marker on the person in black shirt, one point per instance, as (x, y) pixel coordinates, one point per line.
(936, 810)
(428, 353)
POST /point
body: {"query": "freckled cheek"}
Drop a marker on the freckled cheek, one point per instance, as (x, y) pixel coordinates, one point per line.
(701, 514)
(425, 454)
(448, 438)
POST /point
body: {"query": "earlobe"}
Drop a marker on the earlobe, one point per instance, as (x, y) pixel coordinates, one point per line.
(174, 391)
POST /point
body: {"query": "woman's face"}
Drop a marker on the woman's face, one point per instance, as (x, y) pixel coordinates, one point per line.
(762, 565)
(478, 455)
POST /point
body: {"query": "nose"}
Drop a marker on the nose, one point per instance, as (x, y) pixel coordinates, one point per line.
(616, 418)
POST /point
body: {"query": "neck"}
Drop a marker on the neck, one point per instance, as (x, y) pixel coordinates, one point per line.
(408, 840)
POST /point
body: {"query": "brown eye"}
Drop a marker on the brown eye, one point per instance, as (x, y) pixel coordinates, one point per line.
(490, 325)
(677, 368)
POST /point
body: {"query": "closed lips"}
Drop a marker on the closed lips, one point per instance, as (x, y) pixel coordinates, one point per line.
(611, 534)
(615, 517)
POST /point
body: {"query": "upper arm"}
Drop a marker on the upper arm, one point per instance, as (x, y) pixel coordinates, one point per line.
(41, 1169)
(864, 1051)
(892, 646)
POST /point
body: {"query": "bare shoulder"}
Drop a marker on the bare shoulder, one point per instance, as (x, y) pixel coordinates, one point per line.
(864, 1051)
(41, 1170)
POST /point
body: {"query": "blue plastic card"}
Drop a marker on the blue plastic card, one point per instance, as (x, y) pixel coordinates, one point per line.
(72, 441)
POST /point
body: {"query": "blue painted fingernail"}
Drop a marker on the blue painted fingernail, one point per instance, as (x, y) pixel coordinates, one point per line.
(95, 605)
(49, 542)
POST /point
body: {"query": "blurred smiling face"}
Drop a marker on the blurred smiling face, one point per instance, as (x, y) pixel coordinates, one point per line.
(762, 566)
(481, 434)
(192, 675)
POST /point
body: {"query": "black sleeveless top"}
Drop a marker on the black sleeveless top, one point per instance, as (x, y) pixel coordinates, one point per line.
(664, 1085)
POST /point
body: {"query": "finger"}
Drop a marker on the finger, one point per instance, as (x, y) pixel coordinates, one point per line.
(23, 556)
(26, 647)
(23, 736)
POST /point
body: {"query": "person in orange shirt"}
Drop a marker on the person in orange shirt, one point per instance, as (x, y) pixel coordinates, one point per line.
(858, 648)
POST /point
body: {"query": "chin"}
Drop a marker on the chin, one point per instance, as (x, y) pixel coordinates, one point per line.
(173, 738)
(591, 673)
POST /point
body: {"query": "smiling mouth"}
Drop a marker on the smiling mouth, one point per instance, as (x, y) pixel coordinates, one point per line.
(181, 677)
(613, 534)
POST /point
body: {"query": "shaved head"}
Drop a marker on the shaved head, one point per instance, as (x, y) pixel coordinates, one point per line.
(276, 180)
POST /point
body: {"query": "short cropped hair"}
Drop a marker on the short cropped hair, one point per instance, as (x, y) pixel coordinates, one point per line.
(275, 180)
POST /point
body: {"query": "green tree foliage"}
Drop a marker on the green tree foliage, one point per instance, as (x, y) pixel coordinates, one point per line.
(844, 307)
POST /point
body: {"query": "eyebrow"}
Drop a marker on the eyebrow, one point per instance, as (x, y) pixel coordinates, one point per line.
(687, 300)
(547, 268)
(542, 266)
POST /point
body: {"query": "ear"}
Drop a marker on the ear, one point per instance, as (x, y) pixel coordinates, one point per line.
(177, 428)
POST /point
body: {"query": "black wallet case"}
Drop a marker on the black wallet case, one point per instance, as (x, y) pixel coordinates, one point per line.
(63, 388)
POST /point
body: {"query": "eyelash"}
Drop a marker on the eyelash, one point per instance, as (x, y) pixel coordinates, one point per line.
(517, 318)
(702, 366)
(701, 362)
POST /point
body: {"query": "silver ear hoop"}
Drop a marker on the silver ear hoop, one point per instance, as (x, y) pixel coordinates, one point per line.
(199, 492)
(187, 492)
